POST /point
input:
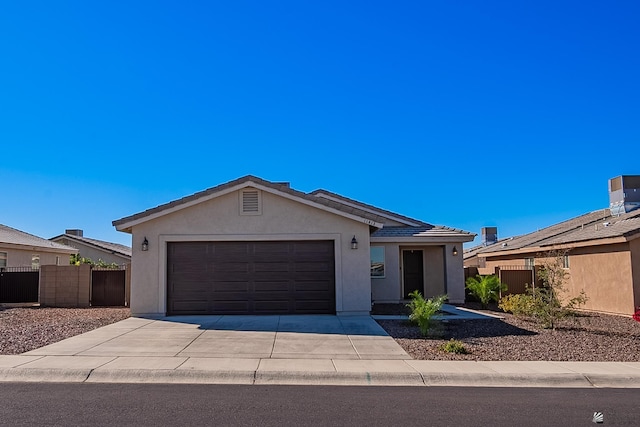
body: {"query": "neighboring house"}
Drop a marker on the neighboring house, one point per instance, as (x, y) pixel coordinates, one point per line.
(601, 251)
(259, 247)
(24, 250)
(95, 249)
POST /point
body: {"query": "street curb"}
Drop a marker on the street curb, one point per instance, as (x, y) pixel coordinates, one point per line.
(177, 376)
(49, 375)
(339, 378)
(448, 379)
(257, 377)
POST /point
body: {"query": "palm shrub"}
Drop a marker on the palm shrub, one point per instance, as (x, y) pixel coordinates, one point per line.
(485, 288)
(422, 311)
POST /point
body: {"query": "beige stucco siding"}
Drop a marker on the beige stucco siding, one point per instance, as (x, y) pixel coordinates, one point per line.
(22, 257)
(219, 219)
(434, 271)
(634, 246)
(604, 273)
(388, 288)
(443, 273)
(94, 253)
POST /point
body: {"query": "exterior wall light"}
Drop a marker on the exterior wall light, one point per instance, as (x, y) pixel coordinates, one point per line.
(455, 251)
(145, 244)
(354, 243)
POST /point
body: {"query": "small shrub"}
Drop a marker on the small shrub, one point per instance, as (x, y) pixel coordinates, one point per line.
(485, 288)
(422, 311)
(454, 346)
(518, 304)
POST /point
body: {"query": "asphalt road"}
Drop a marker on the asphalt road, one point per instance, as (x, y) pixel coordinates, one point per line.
(42, 404)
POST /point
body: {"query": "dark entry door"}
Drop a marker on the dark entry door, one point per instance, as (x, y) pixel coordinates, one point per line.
(413, 272)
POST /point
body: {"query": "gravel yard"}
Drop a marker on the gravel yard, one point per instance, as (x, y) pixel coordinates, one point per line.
(588, 337)
(24, 329)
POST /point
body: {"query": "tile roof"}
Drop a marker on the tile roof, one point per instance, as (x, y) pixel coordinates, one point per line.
(423, 231)
(379, 211)
(100, 244)
(341, 204)
(468, 253)
(282, 187)
(591, 226)
(16, 237)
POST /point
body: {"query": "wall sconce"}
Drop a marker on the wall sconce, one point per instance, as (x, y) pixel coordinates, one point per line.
(145, 244)
(354, 242)
(455, 251)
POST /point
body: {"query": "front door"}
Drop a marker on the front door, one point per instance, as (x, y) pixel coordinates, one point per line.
(413, 272)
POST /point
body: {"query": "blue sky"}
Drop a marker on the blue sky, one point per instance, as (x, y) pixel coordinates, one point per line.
(460, 113)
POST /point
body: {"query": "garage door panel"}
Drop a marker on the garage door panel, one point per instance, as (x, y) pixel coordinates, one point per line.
(271, 307)
(251, 277)
(270, 286)
(191, 305)
(229, 307)
(229, 286)
(306, 286)
(278, 267)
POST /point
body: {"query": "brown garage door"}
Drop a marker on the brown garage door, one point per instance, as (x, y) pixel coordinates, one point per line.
(250, 277)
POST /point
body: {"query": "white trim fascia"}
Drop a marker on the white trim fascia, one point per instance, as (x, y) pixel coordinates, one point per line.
(373, 211)
(163, 239)
(131, 224)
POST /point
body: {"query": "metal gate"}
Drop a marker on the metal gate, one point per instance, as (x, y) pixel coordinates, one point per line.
(19, 285)
(107, 288)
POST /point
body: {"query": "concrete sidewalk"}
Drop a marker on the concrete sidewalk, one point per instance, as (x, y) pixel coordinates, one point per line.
(313, 350)
(195, 370)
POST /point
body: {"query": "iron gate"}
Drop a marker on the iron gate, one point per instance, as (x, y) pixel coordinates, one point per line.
(19, 285)
(108, 288)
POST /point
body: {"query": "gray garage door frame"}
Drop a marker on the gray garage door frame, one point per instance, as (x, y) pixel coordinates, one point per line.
(251, 277)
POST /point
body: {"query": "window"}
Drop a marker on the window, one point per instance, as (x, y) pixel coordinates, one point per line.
(3, 259)
(377, 261)
(565, 261)
(35, 261)
(529, 262)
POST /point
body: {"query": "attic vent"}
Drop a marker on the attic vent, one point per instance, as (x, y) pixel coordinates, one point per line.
(250, 202)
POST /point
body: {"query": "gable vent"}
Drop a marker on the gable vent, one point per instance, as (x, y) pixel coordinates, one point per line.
(250, 202)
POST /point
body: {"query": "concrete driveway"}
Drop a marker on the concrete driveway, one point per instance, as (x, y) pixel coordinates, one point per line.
(244, 337)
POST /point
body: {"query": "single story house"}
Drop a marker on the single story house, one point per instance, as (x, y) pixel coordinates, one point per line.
(252, 246)
(94, 249)
(23, 250)
(600, 249)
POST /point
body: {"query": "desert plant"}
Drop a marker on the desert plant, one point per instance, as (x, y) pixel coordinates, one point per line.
(422, 311)
(454, 346)
(518, 304)
(546, 304)
(485, 288)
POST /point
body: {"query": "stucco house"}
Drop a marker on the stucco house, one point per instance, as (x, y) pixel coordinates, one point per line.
(23, 250)
(95, 249)
(252, 246)
(600, 249)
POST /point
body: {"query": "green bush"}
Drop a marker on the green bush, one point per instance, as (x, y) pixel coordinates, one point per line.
(546, 304)
(485, 288)
(518, 304)
(422, 311)
(454, 346)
